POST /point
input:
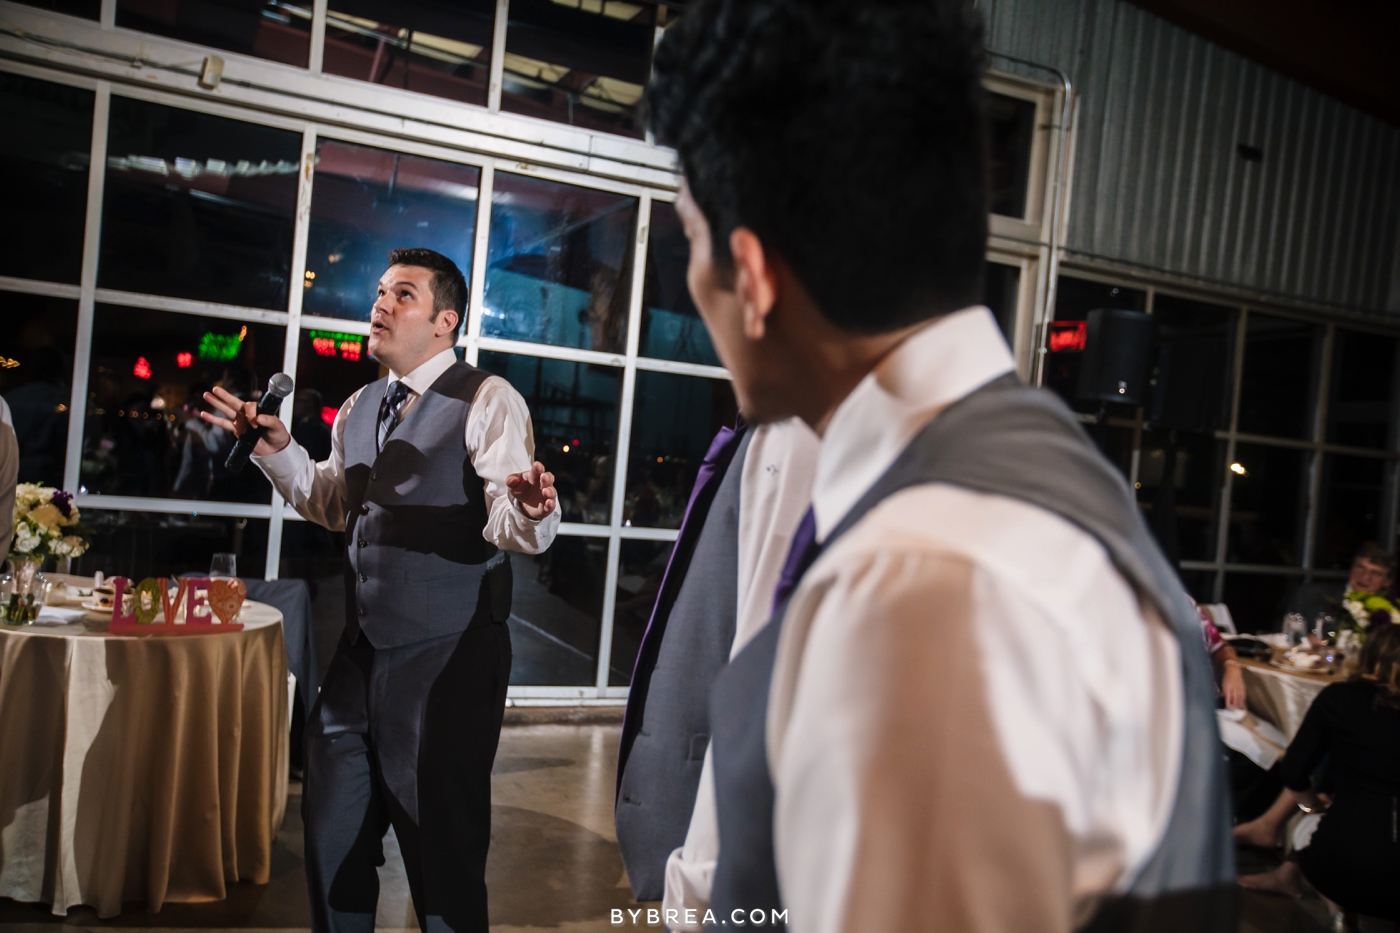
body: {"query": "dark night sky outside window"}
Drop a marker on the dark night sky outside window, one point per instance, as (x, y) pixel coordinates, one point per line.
(88, 9)
(44, 154)
(198, 206)
(999, 295)
(638, 581)
(1361, 406)
(1279, 383)
(1011, 131)
(671, 325)
(672, 424)
(274, 30)
(39, 335)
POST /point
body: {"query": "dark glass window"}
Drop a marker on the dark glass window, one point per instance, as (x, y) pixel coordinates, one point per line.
(1200, 584)
(1195, 492)
(584, 63)
(1361, 407)
(44, 154)
(366, 202)
(573, 407)
(197, 206)
(440, 48)
(1191, 375)
(1003, 283)
(316, 555)
(331, 366)
(1074, 299)
(1278, 388)
(157, 544)
(1115, 441)
(638, 581)
(671, 325)
(269, 29)
(1256, 600)
(1268, 502)
(672, 424)
(142, 435)
(559, 266)
(36, 379)
(88, 9)
(556, 612)
(1352, 508)
(1011, 133)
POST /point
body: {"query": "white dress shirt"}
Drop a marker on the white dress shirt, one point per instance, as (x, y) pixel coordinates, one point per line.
(499, 440)
(973, 722)
(774, 492)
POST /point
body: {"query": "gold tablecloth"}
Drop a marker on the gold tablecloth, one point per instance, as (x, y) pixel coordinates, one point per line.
(140, 768)
(1281, 697)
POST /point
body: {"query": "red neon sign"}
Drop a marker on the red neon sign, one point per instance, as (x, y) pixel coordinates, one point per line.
(1068, 336)
(350, 350)
(324, 346)
(142, 369)
(184, 360)
(328, 415)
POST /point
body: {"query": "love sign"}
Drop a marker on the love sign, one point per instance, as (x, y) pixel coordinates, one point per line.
(155, 611)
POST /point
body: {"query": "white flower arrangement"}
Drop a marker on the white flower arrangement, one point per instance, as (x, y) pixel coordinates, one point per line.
(46, 524)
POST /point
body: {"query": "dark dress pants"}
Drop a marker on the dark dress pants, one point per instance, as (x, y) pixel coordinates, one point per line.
(405, 736)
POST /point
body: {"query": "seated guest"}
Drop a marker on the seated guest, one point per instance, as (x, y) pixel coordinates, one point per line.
(1372, 571)
(9, 476)
(1353, 857)
(1228, 678)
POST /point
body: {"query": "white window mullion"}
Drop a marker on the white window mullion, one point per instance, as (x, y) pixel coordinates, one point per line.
(476, 293)
(498, 56)
(318, 37)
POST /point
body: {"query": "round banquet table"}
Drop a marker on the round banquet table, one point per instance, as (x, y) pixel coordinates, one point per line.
(1280, 696)
(140, 768)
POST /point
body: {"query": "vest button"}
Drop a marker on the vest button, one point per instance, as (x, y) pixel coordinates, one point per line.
(363, 578)
(374, 476)
(361, 542)
(362, 610)
(364, 510)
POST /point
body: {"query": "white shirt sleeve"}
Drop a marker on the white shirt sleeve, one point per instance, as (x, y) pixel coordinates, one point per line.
(501, 441)
(315, 490)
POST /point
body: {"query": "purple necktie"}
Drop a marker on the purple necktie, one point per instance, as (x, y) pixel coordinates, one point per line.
(800, 556)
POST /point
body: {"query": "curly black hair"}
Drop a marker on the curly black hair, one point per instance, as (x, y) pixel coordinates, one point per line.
(448, 286)
(847, 134)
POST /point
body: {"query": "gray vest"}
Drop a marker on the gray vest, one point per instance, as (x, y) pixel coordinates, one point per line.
(416, 560)
(1023, 443)
(661, 771)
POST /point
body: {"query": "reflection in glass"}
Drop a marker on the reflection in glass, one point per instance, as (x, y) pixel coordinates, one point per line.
(559, 266)
(1256, 600)
(1193, 361)
(44, 154)
(1352, 510)
(1268, 502)
(671, 325)
(142, 434)
(429, 46)
(674, 419)
(197, 206)
(638, 582)
(581, 63)
(88, 9)
(556, 612)
(366, 202)
(1361, 409)
(573, 407)
(1074, 299)
(158, 544)
(269, 29)
(39, 340)
(999, 294)
(331, 367)
(1278, 387)
(1195, 492)
(1011, 133)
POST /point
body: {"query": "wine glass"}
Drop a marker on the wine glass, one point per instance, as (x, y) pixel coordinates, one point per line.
(224, 566)
(1295, 627)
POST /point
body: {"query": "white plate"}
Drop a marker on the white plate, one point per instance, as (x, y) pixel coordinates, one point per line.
(91, 605)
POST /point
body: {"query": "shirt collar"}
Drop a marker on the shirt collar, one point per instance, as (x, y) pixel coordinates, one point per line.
(426, 373)
(934, 367)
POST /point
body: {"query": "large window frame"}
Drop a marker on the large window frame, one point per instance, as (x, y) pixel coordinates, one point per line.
(113, 61)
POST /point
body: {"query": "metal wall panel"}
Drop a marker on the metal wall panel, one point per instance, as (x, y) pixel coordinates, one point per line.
(1158, 180)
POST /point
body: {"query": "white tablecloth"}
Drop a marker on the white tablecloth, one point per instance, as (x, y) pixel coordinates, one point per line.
(140, 768)
(1280, 697)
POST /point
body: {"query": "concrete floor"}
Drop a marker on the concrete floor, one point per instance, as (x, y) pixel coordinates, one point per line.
(554, 862)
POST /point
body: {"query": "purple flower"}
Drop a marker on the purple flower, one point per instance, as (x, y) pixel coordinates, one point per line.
(63, 501)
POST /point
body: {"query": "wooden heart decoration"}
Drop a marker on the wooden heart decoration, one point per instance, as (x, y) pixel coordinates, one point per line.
(226, 598)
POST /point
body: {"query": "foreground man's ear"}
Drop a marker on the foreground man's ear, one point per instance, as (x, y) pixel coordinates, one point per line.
(754, 281)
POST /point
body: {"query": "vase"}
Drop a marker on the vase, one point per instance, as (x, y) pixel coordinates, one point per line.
(26, 591)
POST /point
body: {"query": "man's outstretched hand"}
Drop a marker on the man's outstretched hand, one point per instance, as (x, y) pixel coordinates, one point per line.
(533, 491)
(238, 414)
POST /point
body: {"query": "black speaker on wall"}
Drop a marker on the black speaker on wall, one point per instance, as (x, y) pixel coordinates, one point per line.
(1117, 356)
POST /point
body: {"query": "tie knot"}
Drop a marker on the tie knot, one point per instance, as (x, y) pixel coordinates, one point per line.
(398, 391)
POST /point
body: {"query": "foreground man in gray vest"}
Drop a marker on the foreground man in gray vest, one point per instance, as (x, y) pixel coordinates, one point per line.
(983, 703)
(431, 476)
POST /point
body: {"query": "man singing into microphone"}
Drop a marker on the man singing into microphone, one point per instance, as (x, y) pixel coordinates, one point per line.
(431, 475)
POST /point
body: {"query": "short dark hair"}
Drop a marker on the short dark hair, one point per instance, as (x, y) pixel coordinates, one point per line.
(448, 285)
(848, 136)
(1377, 555)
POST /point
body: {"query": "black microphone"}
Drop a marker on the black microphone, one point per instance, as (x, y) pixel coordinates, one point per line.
(278, 388)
